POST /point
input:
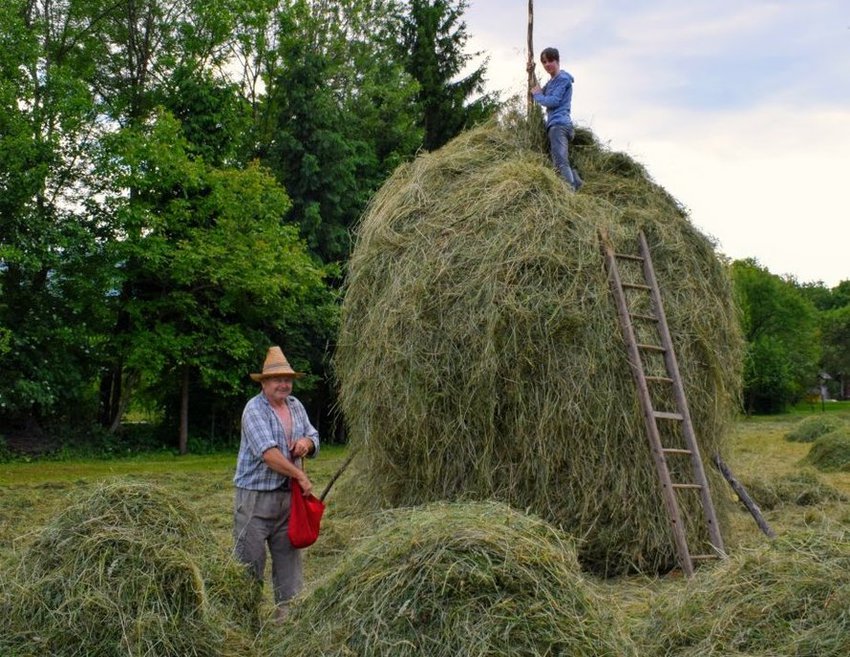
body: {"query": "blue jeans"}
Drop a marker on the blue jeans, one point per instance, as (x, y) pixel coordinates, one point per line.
(559, 147)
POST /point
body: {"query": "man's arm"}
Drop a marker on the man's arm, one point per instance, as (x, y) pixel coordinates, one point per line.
(275, 460)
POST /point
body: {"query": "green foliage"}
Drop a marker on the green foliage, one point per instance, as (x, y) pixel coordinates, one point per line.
(835, 333)
(337, 117)
(780, 327)
(814, 427)
(432, 43)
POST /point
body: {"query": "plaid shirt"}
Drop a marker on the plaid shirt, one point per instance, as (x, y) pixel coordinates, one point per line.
(262, 430)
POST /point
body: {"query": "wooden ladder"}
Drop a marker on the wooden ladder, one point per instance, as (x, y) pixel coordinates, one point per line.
(638, 352)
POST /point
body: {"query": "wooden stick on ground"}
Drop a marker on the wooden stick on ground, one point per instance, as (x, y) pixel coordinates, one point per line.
(745, 498)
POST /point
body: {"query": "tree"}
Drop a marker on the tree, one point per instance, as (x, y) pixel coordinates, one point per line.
(336, 118)
(431, 43)
(780, 328)
(214, 276)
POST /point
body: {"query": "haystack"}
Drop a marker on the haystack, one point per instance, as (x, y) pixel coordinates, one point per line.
(128, 570)
(812, 428)
(480, 356)
(802, 488)
(444, 580)
(787, 598)
(831, 451)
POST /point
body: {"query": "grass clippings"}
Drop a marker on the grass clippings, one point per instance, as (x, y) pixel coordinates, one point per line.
(802, 488)
(811, 428)
(126, 570)
(786, 598)
(831, 451)
(471, 579)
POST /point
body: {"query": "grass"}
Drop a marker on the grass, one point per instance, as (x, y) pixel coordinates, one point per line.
(32, 493)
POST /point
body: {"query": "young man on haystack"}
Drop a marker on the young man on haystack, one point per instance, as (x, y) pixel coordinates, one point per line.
(557, 97)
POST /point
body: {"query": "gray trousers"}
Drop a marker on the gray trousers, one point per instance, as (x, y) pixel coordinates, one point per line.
(261, 518)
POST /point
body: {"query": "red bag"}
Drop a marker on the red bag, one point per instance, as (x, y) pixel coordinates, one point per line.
(305, 514)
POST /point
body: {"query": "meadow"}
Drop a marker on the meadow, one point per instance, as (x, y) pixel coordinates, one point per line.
(32, 493)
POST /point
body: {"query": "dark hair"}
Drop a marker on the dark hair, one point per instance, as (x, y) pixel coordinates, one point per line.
(549, 55)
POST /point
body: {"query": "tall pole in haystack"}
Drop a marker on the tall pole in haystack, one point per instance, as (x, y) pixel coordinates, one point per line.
(530, 64)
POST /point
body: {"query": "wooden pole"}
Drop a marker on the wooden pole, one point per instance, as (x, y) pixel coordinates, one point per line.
(744, 496)
(530, 65)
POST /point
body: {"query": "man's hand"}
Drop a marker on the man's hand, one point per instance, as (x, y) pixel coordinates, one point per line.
(301, 447)
(536, 89)
(305, 483)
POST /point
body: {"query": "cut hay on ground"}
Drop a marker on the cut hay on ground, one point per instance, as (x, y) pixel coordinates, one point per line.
(789, 598)
(814, 427)
(799, 488)
(831, 451)
(480, 355)
(128, 570)
(443, 580)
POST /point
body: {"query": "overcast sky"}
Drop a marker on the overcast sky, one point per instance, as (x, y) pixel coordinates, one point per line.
(741, 110)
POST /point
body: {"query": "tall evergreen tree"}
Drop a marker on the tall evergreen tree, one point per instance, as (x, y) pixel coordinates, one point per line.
(432, 44)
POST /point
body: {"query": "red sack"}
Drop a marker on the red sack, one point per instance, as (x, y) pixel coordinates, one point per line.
(305, 514)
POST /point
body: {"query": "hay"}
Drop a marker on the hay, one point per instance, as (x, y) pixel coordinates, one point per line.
(480, 356)
(788, 598)
(128, 570)
(799, 488)
(831, 451)
(810, 429)
(444, 580)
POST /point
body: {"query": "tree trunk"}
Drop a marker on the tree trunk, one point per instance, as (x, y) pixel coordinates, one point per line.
(184, 412)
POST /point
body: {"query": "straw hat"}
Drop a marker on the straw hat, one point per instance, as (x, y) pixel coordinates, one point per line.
(276, 365)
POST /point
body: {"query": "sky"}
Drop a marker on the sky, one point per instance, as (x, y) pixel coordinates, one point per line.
(740, 110)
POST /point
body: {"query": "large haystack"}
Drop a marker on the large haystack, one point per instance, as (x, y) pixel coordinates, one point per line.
(789, 598)
(128, 570)
(480, 355)
(443, 580)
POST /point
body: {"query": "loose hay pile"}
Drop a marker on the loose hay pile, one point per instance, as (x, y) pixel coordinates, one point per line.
(129, 570)
(831, 451)
(813, 427)
(445, 580)
(787, 598)
(480, 355)
(799, 488)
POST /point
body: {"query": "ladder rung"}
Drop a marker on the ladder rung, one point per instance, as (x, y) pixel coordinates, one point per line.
(651, 347)
(628, 256)
(704, 557)
(676, 450)
(646, 318)
(660, 379)
(688, 486)
(636, 286)
(662, 415)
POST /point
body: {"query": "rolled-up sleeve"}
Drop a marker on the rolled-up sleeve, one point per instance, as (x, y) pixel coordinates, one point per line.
(256, 431)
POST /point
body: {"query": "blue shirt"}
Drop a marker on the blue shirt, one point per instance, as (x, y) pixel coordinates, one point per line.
(557, 97)
(262, 430)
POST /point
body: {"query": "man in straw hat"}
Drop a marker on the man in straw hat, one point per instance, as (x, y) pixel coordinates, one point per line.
(276, 434)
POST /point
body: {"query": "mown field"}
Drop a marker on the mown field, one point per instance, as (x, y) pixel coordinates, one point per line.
(760, 457)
